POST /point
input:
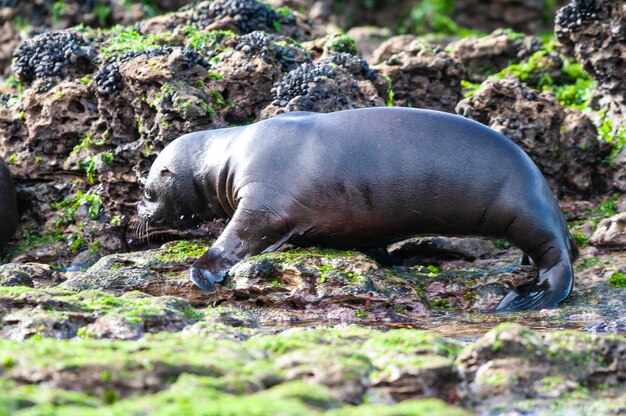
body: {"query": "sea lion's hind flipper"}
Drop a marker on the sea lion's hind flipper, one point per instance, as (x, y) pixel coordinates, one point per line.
(525, 260)
(550, 287)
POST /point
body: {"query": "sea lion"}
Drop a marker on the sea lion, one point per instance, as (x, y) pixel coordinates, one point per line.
(361, 179)
(8, 205)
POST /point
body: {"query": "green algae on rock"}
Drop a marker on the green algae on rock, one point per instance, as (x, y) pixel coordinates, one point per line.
(313, 371)
(59, 313)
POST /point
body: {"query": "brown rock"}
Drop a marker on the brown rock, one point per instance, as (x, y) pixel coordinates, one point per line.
(424, 77)
(115, 327)
(340, 81)
(611, 232)
(528, 16)
(392, 46)
(561, 142)
(368, 39)
(619, 172)
(444, 247)
(23, 325)
(56, 120)
(594, 32)
(486, 55)
(10, 39)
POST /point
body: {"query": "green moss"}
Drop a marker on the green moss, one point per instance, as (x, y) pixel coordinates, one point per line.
(285, 12)
(617, 279)
(68, 207)
(606, 209)
(93, 147)
(341, 42)
(412, 342)
(130, 40)
(573, 90)
(424, 407)
(389, 101)
(440, 304)
(102, 12)
(57, 8)
(45, 400)
(31, 238)
(469, 88)
(615, 135)
(431, 16)
(205, 41)
(218, 100)
(580, 238)
(182, 251)
(360, 314)
(11, 160)
(587, 263)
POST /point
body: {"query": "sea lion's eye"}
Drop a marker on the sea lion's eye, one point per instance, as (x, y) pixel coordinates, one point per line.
(147, 194)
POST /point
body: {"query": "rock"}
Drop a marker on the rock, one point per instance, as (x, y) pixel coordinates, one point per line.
(217, 331)
(445, 247)
(593, 32)
(115, 327)
(306, 285)
(28, 274)
(392, 46)
(585, 171)
(12, 275)
(240, 16)
(10, 39)
(309, 371)
(482, 56)
(61, 314)
(339, 82)
(368, 39)
(423, 76)
(528, 16)
(611, 232)
(421, 367)
(238, 318)
(567, 154)
(258, 63)
(511, 362)
(619, 172)
(46, 142)
(20, 326)
(343, 372)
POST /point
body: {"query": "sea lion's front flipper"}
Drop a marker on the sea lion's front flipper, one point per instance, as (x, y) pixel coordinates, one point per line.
(551, 286)
(249, 232)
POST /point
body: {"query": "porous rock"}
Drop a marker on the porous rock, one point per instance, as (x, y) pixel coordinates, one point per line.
(528, 16)
(611, 232)
(489, 54)
(594, 32)
(423, 76)
(561, 142)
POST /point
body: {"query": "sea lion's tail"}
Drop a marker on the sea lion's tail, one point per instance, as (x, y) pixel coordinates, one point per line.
(555, 276)
(551, 286)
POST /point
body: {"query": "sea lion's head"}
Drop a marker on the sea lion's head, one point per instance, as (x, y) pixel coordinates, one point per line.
(171, 195)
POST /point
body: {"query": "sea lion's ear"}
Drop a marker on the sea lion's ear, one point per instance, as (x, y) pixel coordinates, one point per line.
(165, 170)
